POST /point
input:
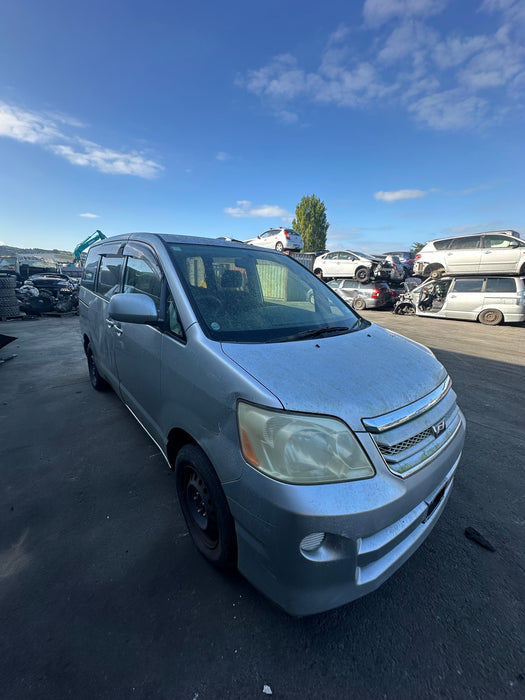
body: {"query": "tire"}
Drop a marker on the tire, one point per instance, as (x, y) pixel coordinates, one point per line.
(438, 272)
(362, 274)
(97, 382)
(405, 310)
(359, 304)
(490, 317)
(205, 507)
(279, 246)
(9, 310)
(6, 293)
(7, 282)
(318, 272)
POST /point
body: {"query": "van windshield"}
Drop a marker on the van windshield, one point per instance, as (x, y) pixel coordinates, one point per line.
(253, 296)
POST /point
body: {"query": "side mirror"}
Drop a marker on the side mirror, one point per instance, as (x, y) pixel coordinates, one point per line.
(133, 308)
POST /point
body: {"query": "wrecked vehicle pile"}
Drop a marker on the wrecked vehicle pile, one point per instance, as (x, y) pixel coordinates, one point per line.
(51, 292)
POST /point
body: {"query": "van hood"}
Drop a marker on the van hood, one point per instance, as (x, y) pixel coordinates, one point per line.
(353, 376)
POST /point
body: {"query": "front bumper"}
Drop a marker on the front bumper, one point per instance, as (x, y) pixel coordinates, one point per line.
(370, 528)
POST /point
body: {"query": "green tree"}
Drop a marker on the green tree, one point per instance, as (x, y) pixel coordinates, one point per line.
(416, 247)
(310, 221)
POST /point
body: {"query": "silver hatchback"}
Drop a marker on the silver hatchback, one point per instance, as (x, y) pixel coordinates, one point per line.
(254, 379)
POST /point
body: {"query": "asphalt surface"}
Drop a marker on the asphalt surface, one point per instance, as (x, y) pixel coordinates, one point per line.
(102, 594)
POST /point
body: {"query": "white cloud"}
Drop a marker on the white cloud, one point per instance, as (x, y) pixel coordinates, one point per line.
(223, 156)
(398, 195)
(42, 129)
(22, 125)
(107, 160)
(450, 110)
(88, 215)
(377, 12)
(244, 209)
(444, 80)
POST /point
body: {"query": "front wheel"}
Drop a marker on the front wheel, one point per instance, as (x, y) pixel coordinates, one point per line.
(97, 382)
(205, 507)
(490, 317)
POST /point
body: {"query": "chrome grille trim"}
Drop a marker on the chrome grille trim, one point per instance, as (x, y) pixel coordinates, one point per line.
(391, 450)
(391, 420)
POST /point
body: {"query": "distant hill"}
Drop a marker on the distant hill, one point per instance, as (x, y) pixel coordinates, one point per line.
(60, 256)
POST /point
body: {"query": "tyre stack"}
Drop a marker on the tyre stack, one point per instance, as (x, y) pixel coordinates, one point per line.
(8, 301)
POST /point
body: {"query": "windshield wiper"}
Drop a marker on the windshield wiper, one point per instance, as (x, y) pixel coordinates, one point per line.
(318, 332)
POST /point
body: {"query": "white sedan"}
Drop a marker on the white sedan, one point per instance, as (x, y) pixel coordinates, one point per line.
(345, 263)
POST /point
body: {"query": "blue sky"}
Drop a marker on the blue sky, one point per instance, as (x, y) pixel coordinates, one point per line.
(404, 116)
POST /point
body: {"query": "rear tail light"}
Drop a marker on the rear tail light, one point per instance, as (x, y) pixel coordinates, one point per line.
(417, 256)
(375, 293)
(393, 293)
(287, 235)
(411, 262)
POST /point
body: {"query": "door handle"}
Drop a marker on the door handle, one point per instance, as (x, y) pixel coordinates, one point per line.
(113, 324)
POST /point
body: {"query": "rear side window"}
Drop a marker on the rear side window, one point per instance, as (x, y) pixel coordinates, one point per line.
(501, 284)
(468, 285)
(108, 282)
(465, 243)
(90, 270)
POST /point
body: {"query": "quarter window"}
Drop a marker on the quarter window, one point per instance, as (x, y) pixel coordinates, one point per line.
(174, 323)
(90, 271)
(500, 284)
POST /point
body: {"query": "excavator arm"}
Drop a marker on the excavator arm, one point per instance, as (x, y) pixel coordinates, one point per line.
(97, 236)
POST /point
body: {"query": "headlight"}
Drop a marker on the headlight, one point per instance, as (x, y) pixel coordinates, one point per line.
(300, 448)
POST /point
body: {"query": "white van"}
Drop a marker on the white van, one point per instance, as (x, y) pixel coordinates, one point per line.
(492, 252)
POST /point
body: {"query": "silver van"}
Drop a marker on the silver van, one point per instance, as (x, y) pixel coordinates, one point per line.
(490, 300)
(492, 252)
(300, 454)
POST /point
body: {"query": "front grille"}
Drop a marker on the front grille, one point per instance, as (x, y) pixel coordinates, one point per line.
(388, 451)
(408, 438)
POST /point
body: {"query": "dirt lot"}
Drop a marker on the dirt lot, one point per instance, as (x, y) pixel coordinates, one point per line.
(103, 596)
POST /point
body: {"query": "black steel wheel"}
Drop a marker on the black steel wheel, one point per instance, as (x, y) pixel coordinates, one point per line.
(205, 507)
(97, 382)
(279, 246)
(490, 317)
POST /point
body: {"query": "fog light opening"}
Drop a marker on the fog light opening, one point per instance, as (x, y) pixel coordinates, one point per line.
(312, 542)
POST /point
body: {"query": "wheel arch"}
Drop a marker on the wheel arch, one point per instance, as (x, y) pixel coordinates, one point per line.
(177, 438)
